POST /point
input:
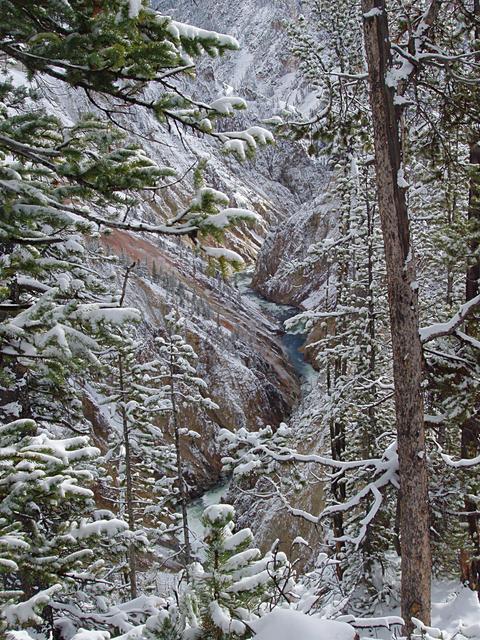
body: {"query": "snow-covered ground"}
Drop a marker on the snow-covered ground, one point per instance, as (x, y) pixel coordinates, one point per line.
(455, 610)
(282, 624)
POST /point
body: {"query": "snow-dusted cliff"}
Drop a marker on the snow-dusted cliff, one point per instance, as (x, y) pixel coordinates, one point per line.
(285, 185)
(266, 73)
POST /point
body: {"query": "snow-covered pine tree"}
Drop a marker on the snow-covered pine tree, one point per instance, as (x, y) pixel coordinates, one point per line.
(140, 463)
(230, 586)
(151, 388)
(54, 319)
(439, 126)
(114, 51)
(410, 95)
(185, 391)
(63, 181)
(47, 542)
(168, 624)
(235, 579)
(438, 134)
(436, 171)
(443, 175)
(385, 142)
(349, 328)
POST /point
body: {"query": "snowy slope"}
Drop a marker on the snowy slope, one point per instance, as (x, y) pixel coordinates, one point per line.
(279, 274)
(240, 356)
(264, 70)
(266, 74)
(283, 624)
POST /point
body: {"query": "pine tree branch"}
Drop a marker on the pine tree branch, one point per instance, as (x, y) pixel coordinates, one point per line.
(441, 329)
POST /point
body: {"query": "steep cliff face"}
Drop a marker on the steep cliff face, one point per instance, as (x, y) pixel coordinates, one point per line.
(266, 73)
(240, 356)
(288, 185)
(242, 360)
(283, 272)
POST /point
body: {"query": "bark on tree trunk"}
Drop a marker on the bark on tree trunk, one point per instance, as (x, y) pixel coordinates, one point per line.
(407, 350)
(370, 431)
(132, 557)
(187, 552)
(473, 272)
(470, 439)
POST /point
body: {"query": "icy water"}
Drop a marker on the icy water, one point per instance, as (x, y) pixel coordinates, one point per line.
(292, 342)
(196, 508)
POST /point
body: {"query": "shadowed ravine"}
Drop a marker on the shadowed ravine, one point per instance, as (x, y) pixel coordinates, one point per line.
(292, 344)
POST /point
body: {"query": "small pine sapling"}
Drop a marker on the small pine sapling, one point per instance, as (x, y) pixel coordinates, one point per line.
(234, 582)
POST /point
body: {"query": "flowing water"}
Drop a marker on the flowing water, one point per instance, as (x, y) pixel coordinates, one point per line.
(292, 344)
(197, 507)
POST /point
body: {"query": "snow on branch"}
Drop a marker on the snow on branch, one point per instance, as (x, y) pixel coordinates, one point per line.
(408, 62)
(183, 31)
(473, 342)
(440, 329)
(384, 473)
(27, 612)
(225, 254)
(289, 455)
(255, 453)
(372, 623)
(463, 463)
(297, 322)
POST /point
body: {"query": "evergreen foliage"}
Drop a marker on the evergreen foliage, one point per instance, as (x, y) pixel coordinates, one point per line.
(73, 570)
(230, 585)
(47, 542)
(62, 185)
(350, 330)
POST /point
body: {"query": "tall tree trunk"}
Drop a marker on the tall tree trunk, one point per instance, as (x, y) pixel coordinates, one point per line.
(334, 374)
(132, 559)
(370, 435)
(370, 430)
(132, 556)
(403, 302)
(473, 271)
(187, 552)
(470, 440)
(470, 437)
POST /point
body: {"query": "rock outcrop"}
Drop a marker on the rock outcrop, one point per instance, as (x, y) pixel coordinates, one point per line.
(283, 272)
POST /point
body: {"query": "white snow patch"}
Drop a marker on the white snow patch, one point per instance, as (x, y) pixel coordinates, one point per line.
(219, 512)
(227, 254)
(402, 183)
(84, 634)
(285, 624)
(456, 617)
(373, 13)
(134, 8)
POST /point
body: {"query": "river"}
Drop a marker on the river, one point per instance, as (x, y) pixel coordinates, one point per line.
(292, 344)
